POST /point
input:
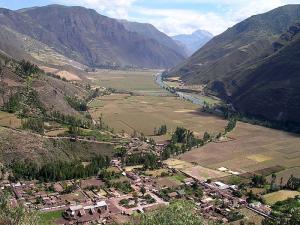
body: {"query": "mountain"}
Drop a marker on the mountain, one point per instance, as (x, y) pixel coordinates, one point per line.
(254, 65)
(149, 31)
(193, 42)
(46, 93)
(240, 45)
(81, 35)
(270, 89)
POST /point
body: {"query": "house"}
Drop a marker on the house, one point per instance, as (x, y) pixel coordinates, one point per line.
(221, 185)
(88, 213)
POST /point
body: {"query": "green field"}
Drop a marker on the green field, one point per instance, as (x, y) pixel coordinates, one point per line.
(51, 217)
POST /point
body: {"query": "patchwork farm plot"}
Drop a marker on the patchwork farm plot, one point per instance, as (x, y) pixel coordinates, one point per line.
(249, 148)
(144, 113)
(252, 148)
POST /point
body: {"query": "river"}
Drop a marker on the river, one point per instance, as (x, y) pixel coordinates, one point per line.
(183, 95)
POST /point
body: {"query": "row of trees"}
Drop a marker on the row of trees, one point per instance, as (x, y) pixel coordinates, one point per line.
(70, 120)
(293, 183)
(149, 160)
(56, 171)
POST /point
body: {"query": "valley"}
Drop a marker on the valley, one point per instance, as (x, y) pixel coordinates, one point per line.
(108, 121)
(248, 148)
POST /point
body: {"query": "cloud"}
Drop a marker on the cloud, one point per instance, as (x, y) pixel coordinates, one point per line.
(112, 8)
(176, 17)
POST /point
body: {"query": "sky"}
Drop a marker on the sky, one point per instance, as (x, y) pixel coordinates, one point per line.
(170, 16)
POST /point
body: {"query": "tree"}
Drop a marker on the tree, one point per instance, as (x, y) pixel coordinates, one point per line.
(258, 180)
(161, 131)
(231, 125)
(17, 215)
(206, 137)
(143, 190)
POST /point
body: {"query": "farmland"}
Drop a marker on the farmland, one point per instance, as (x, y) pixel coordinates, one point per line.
(137, 81)
(280, 196)
(9, 120)
(249, 148)
(252, 148)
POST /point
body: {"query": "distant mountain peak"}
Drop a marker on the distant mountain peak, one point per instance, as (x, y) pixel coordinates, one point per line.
(194, 41)
(202, 32)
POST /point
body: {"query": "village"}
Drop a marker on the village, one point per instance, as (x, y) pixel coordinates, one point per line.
(121, 191)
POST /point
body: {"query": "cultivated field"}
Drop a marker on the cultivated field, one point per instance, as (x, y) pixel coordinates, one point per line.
(9, 120)
(144, 113)
(250, 148)
(137, 81)
(282, 195)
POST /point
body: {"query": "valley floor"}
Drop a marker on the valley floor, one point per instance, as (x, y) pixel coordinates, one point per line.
(249, 148)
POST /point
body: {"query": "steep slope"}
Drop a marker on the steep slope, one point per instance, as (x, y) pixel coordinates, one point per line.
(193, 42)
(270, 88)
(149, 31)
(41, 92)
(239, 46)
(23, 145)
(85, 36)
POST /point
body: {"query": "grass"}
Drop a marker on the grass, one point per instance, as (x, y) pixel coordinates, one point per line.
(156, 173)
(98, 135)
(132, 168)
(178, 177)
(139, 80)
(282, 195)
(51, 217)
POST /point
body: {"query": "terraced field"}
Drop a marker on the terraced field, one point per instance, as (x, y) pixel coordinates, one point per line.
(9, 120)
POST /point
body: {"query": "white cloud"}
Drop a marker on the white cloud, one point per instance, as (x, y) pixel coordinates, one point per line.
(175, 20)
(113, 8)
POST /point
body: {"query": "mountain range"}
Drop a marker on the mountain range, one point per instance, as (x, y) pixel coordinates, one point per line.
(193, 42)
(254, 65)
(59, 33)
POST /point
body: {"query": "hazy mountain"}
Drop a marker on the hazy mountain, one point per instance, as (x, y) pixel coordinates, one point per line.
(149, 31)
(83, 35)
(253, 64)
(193, 42)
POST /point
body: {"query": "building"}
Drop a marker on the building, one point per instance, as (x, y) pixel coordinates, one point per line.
(221, 185)
(88, 213)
